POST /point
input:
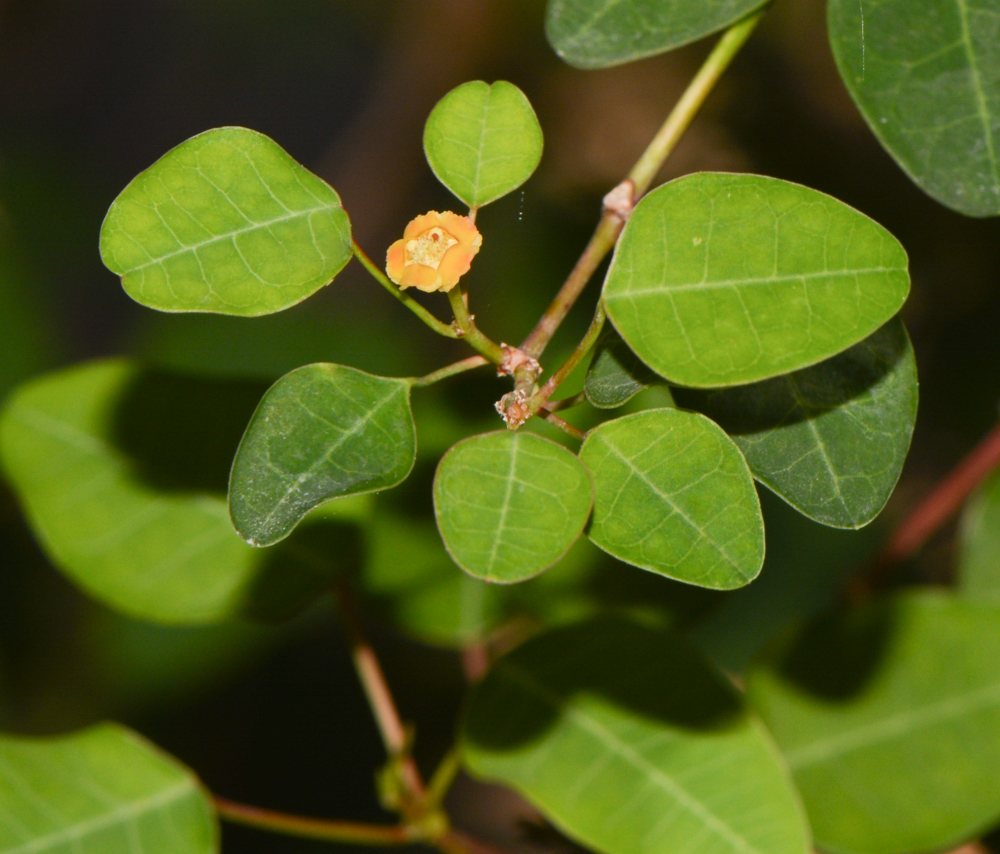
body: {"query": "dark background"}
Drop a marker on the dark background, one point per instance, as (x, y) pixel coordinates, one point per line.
(93, 91)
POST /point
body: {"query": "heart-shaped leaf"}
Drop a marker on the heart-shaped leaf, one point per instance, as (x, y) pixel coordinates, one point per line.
(720, 280)
(831, 439)
(616, 374)
(628, 741)
(673, 494)
(483, 141)
(509, 505)
(226, 222)
(122, 473)
(889, 717)
(979, 557)
(600, 33)
(100, 790)
(321, 432)
(926, 76)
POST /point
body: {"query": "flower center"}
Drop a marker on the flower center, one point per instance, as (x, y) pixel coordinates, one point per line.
(429, 248)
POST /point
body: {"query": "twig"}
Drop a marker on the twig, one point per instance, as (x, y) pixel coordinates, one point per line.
(568, 403)
(440, 327)
(563, 425)
(541, 397)
(944, 501)
(448, 371)
(314, 828)
(469, 332)
(645, 170)
(377, 691)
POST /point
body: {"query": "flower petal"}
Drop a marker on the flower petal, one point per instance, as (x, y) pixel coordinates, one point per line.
(463, 229)
(420, 277)
(455, 264)
(418, 225)
(395, 260)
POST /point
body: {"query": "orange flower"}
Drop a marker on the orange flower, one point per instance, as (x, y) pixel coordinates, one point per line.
(436, 251)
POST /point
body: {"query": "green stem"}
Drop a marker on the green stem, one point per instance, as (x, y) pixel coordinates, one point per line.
(443, 777)
(314, 828)
(438, 326)
(448, 371)
(568, 403)
(645, 170)
(562, 424)
(469, 332)
(541, 397)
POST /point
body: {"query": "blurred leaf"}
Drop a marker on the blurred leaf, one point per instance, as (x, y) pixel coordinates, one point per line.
(226, 222)
(599, 33)
(417, 582)
(673, 494)
(889, 718)
(509, 505)
(724, 279)
(616, 374)
(483, 141)
(831, 439)
(321, 432)
(122, 475)
(628, 741)
(979, 554)
(925, 75)
(100, 790)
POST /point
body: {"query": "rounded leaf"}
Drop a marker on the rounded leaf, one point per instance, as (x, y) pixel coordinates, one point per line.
(226, 222)
(831, 439)
(889, 717)
(721, 279)
(926, 76)
(629, 742)
(510, 505)
(122, 475)
(100, 790)
(601, 33)
(321, 432)
(616, 374)
(979, 555)
(483, 141)
(673, 494)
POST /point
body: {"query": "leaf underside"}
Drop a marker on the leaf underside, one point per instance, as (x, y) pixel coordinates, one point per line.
(831, 439)
(616, 374)
(889, 717)
(321, 432)
(673, 494)
(926, 76)
(510, 505)
(98, 791)
(226, 222)
(601, 33)
(627, 741)
(722, 279)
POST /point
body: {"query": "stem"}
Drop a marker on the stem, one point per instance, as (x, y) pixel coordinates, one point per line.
(448, 371)
(568, 403)
(648, 166)
(645, 170)
(313, 828)
(565, 426)
(946, 499)
(469, 332)
(377, 691)
(540, 397)
(443, 777)
(438, 326)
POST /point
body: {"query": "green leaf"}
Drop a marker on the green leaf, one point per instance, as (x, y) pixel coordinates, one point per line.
(722, 279)
(889, 717)
(483, 141)
(673, 494)
(509, 505)
(98, 791)
(122, 474)
(616, 374)
(979, 554)
(831, 439)
(926, 76)
(321, 432)
(628, 742)
(600, 33)
(226, 222)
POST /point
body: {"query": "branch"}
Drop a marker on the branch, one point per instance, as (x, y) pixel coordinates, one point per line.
(313, 828)
(469, 332)
(448, 371)
(438, 326)
(541, 397)
(931, 514)
(619, 202)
